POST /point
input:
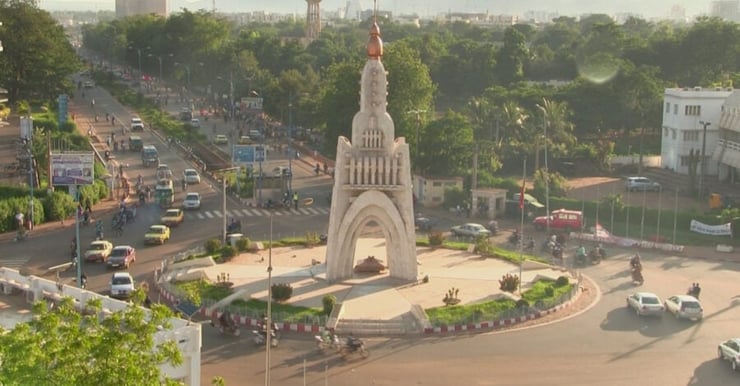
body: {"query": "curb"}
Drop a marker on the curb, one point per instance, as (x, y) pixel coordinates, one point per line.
(315, 328)
(492, 325)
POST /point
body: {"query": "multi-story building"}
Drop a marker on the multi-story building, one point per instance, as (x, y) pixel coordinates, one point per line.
(126, 8)
(726, 9)
(687, 114)
(726, 153)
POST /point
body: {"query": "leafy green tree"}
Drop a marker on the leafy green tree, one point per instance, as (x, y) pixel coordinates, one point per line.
(446, 148)
(37, 58)
(339, 96)
(511, 57)
(62, 346)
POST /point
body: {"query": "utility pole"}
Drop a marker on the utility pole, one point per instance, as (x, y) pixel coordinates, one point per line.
(547, 171)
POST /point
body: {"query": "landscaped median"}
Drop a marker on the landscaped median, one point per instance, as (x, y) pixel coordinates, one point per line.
(544, 292)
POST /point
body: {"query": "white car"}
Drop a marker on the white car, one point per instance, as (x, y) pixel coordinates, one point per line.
(684, 307)
(191, 176)
(645, 303)
(220, 139)
(730, 350)
(137, 124)
(470, 230)
(195, 122)
(191, 201)
(121, 285)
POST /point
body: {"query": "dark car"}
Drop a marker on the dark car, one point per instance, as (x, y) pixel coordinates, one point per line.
(424, 223)
(122, 256)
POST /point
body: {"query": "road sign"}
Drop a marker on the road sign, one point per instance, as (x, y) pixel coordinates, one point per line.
(72, 168)
(248, 154)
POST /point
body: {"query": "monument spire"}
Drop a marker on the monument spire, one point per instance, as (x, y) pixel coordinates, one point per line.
(375, 43)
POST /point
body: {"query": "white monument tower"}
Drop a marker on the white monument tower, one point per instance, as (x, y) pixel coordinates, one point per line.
(372, 180)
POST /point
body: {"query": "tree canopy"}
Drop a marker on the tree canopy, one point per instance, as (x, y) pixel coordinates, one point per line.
(61, 346)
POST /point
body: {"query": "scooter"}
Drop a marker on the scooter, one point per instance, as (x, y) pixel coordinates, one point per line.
(596, 255)
(260, 336)
(226, 326)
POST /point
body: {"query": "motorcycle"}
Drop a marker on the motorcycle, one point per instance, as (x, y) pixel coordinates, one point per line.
(596, 255)
(580, 258)
(226, 325)
(694, 291)
(557, 252)
(327, 342)
(354, 345)
(514, 239)
(637, 274)
(261, 335)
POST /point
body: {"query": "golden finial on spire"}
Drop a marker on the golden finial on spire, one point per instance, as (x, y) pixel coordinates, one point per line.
(375, 43)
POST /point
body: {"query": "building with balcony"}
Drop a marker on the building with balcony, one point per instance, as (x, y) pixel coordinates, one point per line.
(126, 8)
(684, 110)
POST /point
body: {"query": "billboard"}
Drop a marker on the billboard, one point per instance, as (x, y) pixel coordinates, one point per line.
(248, 154)
(72, 168)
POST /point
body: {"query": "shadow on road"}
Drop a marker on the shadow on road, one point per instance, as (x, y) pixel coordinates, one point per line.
(713, 372)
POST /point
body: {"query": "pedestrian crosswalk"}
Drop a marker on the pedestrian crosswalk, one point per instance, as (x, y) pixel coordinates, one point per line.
(14, 263)
(257, 212)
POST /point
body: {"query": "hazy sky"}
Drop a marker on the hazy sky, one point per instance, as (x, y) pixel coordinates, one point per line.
(646, 8)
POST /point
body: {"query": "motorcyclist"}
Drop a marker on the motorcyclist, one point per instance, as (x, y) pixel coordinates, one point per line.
(514, 238)
(353, 343)
(226, 320)
(635, 261)
(581, 251)
(99, 229)
(83, 280)
(695, 290)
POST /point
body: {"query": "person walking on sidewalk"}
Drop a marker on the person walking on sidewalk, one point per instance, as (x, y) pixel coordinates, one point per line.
(295, 200)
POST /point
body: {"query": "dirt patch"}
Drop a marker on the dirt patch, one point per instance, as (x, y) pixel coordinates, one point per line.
(597, 188)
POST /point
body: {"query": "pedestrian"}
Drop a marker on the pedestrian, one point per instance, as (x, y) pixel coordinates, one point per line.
(326, 168)
(112, 120)
(295, 200)
(107, 117)
(184, 185)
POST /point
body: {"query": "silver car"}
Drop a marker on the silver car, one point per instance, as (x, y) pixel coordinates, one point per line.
(684, 307)
(470, 230)
(645, 304)
(641, 184)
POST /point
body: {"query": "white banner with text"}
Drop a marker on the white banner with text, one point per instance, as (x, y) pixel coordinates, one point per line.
(714, 230)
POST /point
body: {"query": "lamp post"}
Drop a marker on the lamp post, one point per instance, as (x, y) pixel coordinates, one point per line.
(290, 142)
(268, 326)
(703, 150)
(547, 171)
(138, 51)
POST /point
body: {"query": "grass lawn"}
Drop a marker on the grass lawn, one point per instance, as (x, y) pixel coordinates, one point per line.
(494, 309)
(285, 312)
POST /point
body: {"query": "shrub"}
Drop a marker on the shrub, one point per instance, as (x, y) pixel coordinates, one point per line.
(242, 244)
(509, 283)
(522, 303)
(281, 292)
(436, 238)
(483, 245)
(451, 296)
(328, 301)
(227, 252)
(549, 291)
(562, 281)
(212, 246)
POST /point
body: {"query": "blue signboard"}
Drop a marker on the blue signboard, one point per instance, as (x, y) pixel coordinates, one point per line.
(248, 154)
(243, 154)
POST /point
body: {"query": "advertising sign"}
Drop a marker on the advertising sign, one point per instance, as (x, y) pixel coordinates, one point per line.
(248, 154)
(251, 103)
(72, 168)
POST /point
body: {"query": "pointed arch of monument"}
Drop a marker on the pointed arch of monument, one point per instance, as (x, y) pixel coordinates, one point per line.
(371, 206)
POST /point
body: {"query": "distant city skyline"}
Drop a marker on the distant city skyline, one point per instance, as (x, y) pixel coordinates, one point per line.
(647, 9)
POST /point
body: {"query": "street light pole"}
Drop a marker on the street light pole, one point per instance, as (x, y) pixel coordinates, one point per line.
(290, 142)
(138, 50)
(231, 93)
(703, 150)
(268, 326)
(547, 170)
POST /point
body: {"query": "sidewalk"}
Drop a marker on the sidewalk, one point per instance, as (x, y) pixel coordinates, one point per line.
(85, 118)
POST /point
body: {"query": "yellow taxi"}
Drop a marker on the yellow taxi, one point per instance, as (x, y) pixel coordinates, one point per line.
(173, 217)
(157, 234)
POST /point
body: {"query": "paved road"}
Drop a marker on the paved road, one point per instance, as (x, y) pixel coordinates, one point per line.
(606, 345)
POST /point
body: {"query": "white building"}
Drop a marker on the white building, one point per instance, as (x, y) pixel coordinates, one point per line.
(727, 152)
(684, 110)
